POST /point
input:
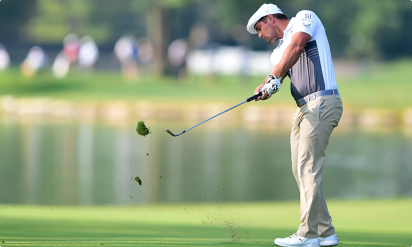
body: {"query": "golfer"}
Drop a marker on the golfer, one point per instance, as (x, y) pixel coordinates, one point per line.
(304, 55)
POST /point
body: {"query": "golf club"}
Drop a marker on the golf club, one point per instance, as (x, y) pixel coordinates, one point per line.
(247, 100)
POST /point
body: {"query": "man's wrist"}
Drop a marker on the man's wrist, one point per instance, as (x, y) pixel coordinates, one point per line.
(272, 76)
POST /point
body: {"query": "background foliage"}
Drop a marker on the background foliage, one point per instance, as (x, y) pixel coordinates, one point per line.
(356, 29)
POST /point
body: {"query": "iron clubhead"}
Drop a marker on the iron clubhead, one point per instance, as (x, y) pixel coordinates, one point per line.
(171, 133)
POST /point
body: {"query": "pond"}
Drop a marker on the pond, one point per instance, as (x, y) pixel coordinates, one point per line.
(75, 163)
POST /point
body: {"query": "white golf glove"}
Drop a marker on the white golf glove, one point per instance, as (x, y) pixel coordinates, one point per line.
(272, 85)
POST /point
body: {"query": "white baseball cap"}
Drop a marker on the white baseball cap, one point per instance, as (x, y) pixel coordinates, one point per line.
(264, 10)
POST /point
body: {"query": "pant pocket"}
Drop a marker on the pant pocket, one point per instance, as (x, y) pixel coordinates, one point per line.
(322, 110)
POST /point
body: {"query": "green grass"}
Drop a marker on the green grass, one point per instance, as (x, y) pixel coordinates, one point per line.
(103, 86)
(385, 86)
(358, 223)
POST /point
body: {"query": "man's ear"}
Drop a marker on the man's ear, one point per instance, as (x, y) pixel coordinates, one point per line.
(271, 18)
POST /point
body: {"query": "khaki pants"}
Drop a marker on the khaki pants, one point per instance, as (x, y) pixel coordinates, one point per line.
(312, 126)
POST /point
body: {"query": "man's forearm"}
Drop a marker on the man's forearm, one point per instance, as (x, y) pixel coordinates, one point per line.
(290, 57)
(291, 54)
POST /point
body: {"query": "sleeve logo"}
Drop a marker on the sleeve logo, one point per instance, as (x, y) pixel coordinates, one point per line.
(307, 20)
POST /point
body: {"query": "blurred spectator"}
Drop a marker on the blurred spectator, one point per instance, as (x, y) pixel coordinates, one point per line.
(71, 47)
(177, 54)
(144, 51)
(125, 51)
(61, 65)
(35, 60)
(240, 35)
(4, 58)
(88, 53)
(199, 36)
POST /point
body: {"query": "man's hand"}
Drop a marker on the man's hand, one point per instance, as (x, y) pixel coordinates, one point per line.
(264, 95)
(271, 86)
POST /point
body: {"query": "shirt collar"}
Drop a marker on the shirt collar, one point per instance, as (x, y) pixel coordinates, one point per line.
(290, 24)
(287, 30)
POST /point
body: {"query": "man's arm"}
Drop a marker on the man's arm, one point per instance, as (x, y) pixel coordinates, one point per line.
(291, 54)
(289, 58)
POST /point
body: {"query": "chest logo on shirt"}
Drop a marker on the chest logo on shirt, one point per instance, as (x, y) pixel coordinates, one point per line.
(307, 21)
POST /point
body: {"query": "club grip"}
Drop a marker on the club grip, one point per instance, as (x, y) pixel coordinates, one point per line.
(254, 97)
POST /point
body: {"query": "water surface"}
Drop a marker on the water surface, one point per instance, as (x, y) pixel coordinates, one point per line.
(71, 163)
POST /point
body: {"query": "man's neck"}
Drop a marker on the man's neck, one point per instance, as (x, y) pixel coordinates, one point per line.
(283, 24)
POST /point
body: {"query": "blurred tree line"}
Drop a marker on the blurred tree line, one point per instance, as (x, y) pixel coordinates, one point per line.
(357, 29)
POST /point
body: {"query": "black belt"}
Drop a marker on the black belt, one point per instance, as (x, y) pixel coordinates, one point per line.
(306, 99)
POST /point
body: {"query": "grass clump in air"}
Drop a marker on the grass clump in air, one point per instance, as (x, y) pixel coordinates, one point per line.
(138, 180)
(141, 129)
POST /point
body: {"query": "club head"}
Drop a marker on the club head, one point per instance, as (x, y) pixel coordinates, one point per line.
(170, 132)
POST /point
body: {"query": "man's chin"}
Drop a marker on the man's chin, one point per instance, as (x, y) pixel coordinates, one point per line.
(272, 41)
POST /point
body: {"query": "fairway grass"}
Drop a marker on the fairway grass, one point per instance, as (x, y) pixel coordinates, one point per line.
(383, 86)
(358, 223)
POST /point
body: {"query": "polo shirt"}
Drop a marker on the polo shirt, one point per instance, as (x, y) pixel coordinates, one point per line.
(314, 70)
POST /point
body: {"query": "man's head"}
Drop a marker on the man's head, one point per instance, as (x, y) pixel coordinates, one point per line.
(268, 21)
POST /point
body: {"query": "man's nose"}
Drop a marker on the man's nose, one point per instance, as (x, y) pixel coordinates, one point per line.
(260, 35)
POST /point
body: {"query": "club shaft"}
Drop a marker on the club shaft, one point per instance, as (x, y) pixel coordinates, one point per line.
(253, 97)
(216, 115)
